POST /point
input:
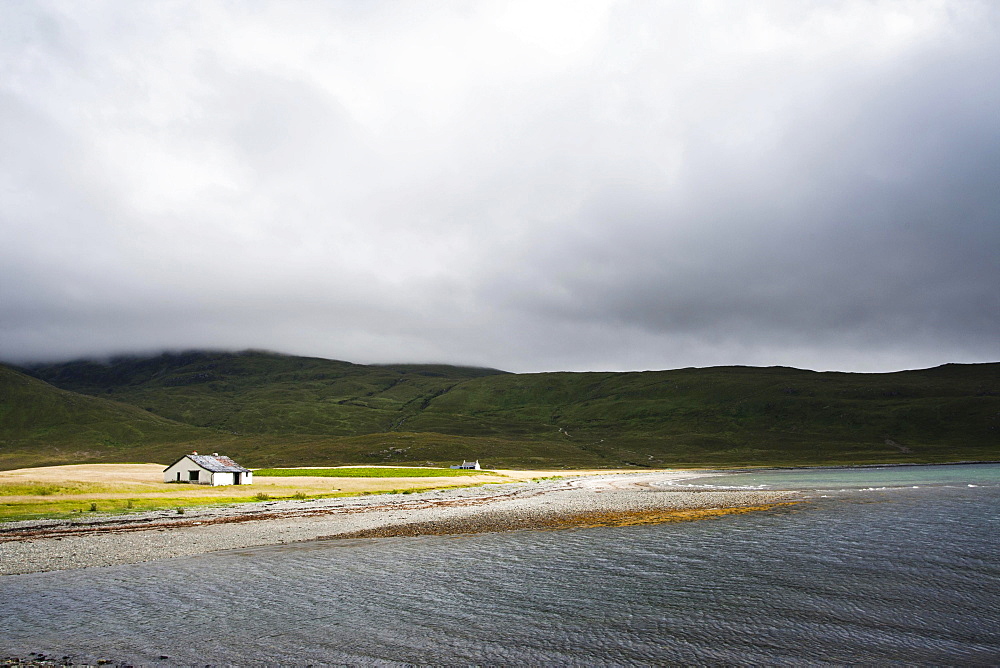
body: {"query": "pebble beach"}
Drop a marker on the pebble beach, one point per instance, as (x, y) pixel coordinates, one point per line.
(602, 500)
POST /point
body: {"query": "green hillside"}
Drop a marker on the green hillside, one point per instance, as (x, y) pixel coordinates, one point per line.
(741, 415)
(265, 393)
(42, 424)
(278, 410)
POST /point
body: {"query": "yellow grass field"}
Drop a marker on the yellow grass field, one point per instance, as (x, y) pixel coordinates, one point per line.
(59, 491)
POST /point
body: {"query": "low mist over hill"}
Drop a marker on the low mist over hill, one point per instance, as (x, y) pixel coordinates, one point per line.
(267, 409)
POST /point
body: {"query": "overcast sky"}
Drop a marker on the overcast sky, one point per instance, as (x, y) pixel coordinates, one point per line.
(533, 186)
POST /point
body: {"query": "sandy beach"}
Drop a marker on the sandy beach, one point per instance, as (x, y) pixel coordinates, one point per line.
(577, 501)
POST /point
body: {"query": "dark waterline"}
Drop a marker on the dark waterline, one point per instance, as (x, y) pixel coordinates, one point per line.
(896, 575)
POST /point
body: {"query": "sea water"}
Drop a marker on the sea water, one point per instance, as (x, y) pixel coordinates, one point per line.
(897, 565)
(853, 479)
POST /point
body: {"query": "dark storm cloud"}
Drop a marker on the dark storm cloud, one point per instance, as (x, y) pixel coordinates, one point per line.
(522, 185)
(870, 216)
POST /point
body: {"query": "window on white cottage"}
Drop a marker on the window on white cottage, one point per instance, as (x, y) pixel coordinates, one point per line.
(193, 475)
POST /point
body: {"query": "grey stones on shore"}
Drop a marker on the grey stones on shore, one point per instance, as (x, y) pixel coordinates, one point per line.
(36, 660)
(27, 547)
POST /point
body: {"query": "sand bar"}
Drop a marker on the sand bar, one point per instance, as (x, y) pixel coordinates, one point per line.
(617, 499)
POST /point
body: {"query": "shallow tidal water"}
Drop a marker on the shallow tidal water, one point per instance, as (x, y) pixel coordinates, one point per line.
(865, 572)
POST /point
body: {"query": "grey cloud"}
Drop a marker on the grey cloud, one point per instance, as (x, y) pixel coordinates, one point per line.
(873, 218)
(680, 186)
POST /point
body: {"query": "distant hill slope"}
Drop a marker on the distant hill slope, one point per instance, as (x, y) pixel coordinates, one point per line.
(40, 423)
(285, 409)
(739, 414)
(264, 393)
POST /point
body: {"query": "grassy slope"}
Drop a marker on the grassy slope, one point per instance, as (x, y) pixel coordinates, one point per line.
(427, 448)
(277, 410)
(254, 392)
(281, 410)
(740, 414)
(42, 424)
(367, 472)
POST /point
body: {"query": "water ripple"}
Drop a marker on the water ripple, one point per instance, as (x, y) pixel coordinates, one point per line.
(907, 576)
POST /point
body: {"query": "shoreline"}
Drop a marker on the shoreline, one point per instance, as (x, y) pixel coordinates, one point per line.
(602, 500)
(805, 467)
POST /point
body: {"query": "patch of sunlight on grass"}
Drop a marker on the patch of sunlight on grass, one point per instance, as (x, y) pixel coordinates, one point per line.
(369, 472)
(62, 488)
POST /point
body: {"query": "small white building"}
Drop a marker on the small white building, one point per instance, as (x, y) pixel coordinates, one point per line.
(474, 466)
(213, 469)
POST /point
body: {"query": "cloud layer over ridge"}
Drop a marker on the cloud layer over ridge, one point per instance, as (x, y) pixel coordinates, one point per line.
(525, 185)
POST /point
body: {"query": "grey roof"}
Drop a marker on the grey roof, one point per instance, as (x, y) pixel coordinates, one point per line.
(215, 463)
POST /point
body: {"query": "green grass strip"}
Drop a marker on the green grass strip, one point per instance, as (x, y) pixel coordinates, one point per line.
(367, 472)
(68, 510)
(59, 489)
(83, 507)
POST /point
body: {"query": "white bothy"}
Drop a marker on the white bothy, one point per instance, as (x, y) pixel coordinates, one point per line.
(213, 469)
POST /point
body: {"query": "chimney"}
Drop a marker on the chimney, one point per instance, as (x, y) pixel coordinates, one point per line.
(194, 452)
(215, 454)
